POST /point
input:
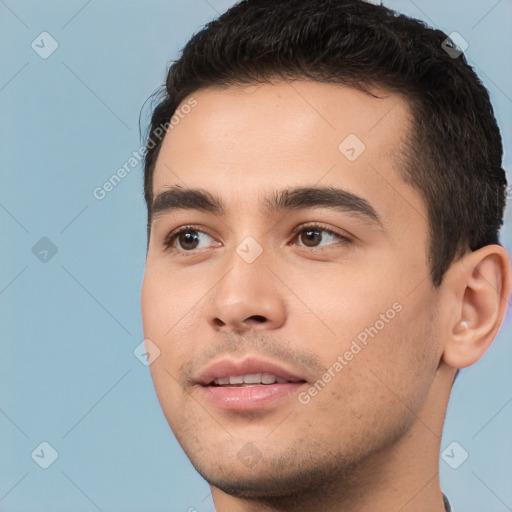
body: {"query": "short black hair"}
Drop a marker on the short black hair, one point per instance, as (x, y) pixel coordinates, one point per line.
(453, 155)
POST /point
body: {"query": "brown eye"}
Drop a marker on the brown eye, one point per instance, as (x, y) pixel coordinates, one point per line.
(186, 240)
(314, 236)
(310, 237)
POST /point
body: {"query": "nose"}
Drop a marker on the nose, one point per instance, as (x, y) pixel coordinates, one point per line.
(246, 298)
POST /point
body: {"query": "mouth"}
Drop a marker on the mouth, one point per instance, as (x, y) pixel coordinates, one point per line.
(250, 384)
(250, 379)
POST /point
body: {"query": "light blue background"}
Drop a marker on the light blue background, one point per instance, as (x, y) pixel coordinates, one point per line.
(68, 375)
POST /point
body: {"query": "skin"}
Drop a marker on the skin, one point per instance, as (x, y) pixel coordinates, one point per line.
(370, 439)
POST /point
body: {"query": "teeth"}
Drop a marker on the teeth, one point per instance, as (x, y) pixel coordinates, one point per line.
(251, 378)
(268, 379)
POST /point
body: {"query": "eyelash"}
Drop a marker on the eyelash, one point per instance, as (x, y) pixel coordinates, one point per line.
(171, 237)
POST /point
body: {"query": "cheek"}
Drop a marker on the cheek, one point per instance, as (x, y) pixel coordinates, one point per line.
(166, 308)
(383, 381)
(171, 314)
(375, 328)
(345, 303)
(169, 303)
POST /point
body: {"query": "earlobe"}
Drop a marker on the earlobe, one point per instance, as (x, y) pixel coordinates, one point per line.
(484, 282)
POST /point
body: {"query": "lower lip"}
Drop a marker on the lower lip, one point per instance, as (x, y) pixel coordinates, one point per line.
(249, 397)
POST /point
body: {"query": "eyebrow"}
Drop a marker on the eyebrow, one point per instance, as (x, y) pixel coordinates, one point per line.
(178, 198)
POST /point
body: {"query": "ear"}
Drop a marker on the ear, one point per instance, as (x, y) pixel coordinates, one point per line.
(481, 283)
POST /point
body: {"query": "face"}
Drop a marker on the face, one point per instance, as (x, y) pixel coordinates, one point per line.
(290, 295)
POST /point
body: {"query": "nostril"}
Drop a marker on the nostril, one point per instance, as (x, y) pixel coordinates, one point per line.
(258, 318)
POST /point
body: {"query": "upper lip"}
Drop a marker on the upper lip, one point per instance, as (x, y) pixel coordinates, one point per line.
(250, 365)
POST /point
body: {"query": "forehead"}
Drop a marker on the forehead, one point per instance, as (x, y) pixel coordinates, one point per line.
(241, 143)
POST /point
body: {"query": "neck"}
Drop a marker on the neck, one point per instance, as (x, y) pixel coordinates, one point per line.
(403, 476)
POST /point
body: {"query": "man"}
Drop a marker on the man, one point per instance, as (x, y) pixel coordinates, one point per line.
(325, 191)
